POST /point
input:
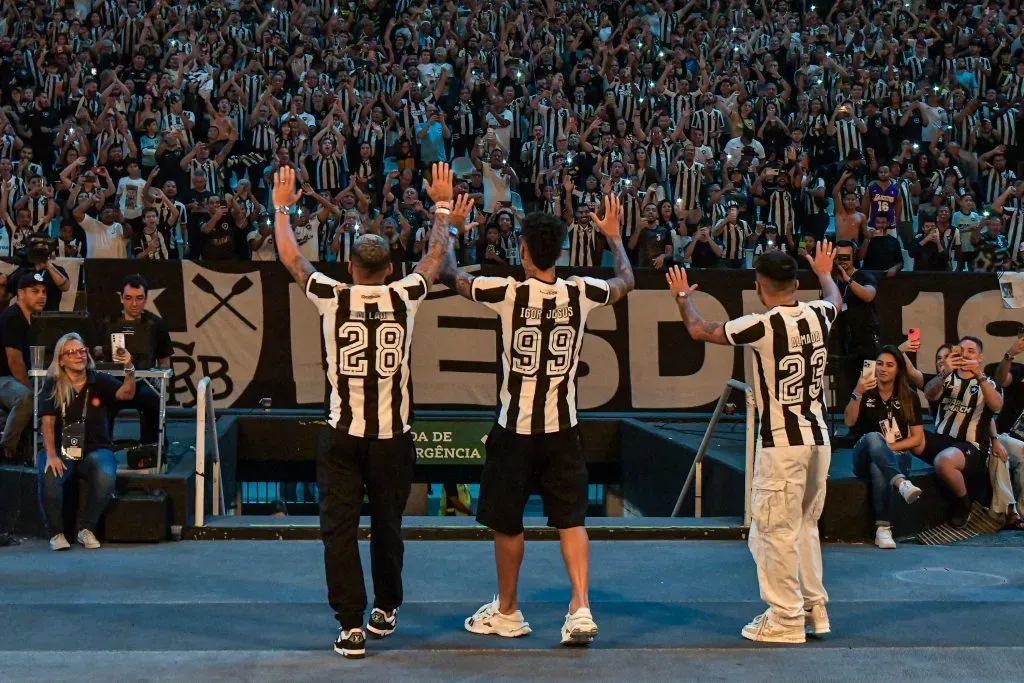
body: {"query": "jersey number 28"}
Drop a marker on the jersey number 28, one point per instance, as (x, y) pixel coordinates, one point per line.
(353, 361)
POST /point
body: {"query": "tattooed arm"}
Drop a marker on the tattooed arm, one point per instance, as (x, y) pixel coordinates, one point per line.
(700, 329)
(440, 190)
(285, 195)
(430, 265)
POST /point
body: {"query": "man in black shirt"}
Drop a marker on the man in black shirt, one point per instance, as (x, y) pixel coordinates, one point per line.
(856, 332)
(881, 249)
(55, 279)
(147, 340)
(16, 337)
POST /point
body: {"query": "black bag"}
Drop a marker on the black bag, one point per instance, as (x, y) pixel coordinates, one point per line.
(137, 517)
(141, 457)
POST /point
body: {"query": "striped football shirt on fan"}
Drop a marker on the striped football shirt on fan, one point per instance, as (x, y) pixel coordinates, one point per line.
(790, 345)
(965, 415)
(366, 333)
(541, 334)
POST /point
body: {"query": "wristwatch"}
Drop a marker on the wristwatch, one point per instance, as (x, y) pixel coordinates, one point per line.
(682, 295)
(129, 370)
(1008, 357)
(854, 396)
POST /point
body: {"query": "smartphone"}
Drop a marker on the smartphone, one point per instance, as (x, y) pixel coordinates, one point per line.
(116, 344)
(914, 334)
(868, 372)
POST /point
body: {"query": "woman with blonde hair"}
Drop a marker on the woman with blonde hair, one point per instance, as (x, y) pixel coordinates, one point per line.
(75, 404)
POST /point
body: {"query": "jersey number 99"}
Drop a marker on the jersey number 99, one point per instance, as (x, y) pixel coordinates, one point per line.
(527, 343)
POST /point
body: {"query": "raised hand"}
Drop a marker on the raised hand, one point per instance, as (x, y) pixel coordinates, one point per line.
(610, 224)
(824, 257)
(463, 206)
(284, 193)
(439, 189)
(677, 281)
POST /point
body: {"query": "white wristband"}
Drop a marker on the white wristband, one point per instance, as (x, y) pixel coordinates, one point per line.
(442, 212)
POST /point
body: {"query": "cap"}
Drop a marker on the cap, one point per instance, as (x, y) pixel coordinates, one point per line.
(31, 280)
(777, 265)
(732, 204)
(855, 154)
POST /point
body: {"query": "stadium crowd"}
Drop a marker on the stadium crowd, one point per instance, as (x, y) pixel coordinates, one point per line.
(150, 129)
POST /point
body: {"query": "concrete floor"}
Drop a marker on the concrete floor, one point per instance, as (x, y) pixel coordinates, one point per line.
(256, 611)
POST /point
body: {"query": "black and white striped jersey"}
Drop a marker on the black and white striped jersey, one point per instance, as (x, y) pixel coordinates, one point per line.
(964, 414)
(848, 137)
(686, 185)
(541, 334)
(583, 245)
(790, 345)
(1014, 219)
(366, 333)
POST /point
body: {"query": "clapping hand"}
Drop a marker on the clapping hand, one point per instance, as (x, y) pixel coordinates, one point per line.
(610, 224)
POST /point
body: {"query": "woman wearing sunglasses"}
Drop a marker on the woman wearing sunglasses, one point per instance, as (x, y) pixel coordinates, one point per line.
(74, 404)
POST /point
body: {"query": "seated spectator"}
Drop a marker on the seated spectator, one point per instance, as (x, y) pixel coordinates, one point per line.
(967, 400)
(77, 444)
(886, 413)
(16, 337)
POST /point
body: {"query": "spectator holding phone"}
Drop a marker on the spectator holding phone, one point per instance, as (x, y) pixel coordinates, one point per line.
(886, 413)
(968, 400)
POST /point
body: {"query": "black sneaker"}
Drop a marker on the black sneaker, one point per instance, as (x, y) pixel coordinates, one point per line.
(961, 513)
(381, 624)
(351, 643)
(7, 540)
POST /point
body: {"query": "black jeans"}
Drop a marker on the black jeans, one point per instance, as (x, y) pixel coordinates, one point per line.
(384, 467)
(147, 403)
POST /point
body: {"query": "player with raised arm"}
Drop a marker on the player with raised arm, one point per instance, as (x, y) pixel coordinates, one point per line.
(366, 329)
(535, 444)
(790, 345)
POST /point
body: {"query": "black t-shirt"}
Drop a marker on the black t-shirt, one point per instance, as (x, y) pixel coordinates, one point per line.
(884, 252)
(1013, 402)
(15, 333)
(53, 292)
(219, 243)
(886, 417)
(101, 393)
(147, 339)
(859, 314)
(652, 243)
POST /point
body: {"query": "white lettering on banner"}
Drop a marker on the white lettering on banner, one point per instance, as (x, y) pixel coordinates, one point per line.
(601, 382)
(649, 389)
(927, 313)
(432, 344)
(307, 358)
(979, 312)
(462, 453)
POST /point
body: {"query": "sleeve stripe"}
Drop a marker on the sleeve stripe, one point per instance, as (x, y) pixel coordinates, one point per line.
(418, 291)
(490, 295)
(599, 294)
(319, 289)
(748, 336)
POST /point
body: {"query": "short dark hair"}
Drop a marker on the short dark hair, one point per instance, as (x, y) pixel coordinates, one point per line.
(777, 266)
(847, 243)
(543, 234)
(135, 281)
(371, 254)
(967, 337)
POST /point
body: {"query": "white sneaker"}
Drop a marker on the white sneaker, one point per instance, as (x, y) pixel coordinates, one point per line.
(816, 620)
(58, 542)
(489, 621)
(765, 629)
(883, 538)
(579, 628)
(87, 539)
(909, 492)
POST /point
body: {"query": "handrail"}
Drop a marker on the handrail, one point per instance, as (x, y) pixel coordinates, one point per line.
(696, 469)
(204, 412)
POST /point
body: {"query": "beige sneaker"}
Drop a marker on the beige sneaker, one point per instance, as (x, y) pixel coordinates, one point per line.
(765, 629)
(58, 542)
(87, 539)
(489, 621)
(816, 620)
(579, 628)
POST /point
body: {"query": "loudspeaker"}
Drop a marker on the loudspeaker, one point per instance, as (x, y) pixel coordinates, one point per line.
(137, 517)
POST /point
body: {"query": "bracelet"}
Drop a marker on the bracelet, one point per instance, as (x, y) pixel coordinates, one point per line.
(283, 209)
(854, 396)
(441, 211)
(446, 205)
(129, 370)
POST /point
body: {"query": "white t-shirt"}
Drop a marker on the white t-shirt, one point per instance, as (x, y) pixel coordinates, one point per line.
(965, 223)
(103, 241)
(267, 250)
(679, 245)
(497, 188)
(129, 197)
(308, 238)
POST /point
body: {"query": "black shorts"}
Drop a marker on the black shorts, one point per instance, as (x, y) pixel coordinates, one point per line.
(936, 443)
(519, 465)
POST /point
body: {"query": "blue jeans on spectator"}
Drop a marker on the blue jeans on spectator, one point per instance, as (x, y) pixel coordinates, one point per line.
(98, 468)
(873, 458)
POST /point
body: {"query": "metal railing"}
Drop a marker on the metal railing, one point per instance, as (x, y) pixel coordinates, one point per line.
(205, 416)
(697, 468)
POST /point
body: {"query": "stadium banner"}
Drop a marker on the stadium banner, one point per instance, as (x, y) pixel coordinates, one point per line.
(250, 328)
(445, 442)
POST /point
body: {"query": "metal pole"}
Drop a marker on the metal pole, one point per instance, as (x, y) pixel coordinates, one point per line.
(700, 451)
(163, 422)
(748, 471)
(218, 485)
